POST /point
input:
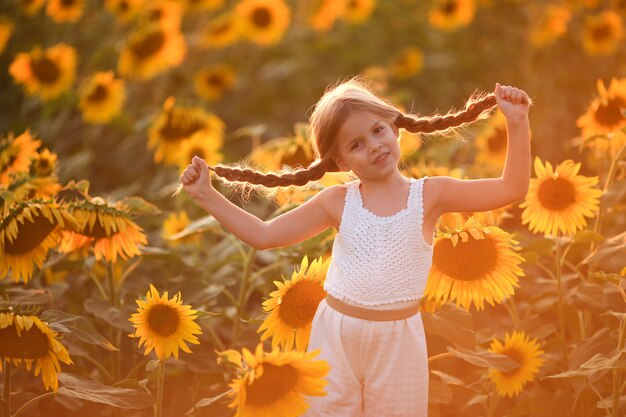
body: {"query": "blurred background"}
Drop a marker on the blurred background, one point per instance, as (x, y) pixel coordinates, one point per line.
(112, 98)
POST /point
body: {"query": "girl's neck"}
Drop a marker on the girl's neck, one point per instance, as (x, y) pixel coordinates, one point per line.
(382, 185)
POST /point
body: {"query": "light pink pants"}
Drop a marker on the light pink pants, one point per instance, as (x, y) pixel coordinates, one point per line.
(378, 368)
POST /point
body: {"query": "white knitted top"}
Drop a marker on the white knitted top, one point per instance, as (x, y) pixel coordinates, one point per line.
(377, 261)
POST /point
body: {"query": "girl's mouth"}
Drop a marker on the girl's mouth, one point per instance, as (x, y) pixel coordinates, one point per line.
(381, 158)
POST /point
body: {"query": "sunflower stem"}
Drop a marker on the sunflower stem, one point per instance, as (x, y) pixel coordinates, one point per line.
(6, 392)
(607, 184)
(241, 299)
(559, 267)
(158, 411)
(617, 373)
(33, 401)
(115, 355)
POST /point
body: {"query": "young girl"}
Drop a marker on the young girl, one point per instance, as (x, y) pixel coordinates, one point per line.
(369, 327)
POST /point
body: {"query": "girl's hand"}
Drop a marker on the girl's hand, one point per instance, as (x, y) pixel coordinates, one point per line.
(196, 178)
(512, 101)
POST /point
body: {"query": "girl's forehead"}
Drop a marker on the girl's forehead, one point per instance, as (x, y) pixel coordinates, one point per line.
(355, 123)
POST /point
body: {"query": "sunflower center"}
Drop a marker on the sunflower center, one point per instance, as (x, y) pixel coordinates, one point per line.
(32, 344)
(497, 142)
(98, 94)
(601, 32)
(196, 152)
(215, 80)
(275, 383)
(156, 15)
(297, 158)
(261, 17)
(179, 127)
(467, 261)
(96, 232)
(163, 320)
(450, 7)
(556, 194)
(517, 356)
(300, 303)
(123, 6)
(149, 45)
(611, 113)
(45, 70)
(67, 3)
(353, 4)
(29, 235)
(43, 167)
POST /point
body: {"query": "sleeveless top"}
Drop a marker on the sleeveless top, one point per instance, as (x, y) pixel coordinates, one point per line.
(379, 262)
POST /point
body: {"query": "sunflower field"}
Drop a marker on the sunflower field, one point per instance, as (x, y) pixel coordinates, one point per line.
(119, 299)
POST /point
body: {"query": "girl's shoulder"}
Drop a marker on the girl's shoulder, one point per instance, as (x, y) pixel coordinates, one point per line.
(333, 198)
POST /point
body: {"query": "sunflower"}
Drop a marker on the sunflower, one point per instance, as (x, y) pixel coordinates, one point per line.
(102, 97)
(26, 338)
(6, 29)
(550, 25)
(489, 218)
(107, 226)
(473, 263)
(40, 181)
(525, 352)
(164, 324)
(203, 5)
(265, 21)
(206, 146)
(28, 230)
(558, 199)
(407, 63)
(222, 31)
(124, 10)
(491, 142)
(358, 11)
(65, 10)
(46, 73)
(428, 168)
(167, 13)
(293, 306)
(274, 383)
(378, 78)
(607, 112)
(325, 13)
(31, 7)
(451, 14)
(295, 195)
(212, 82)
(176, 223)
(606, 146)
(292, 151)
(16, 153)
(602, 33)
(150, 51)
(177, 124)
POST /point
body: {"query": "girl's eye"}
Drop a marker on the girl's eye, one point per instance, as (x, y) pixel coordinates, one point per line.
(355, 145)
(378, 129)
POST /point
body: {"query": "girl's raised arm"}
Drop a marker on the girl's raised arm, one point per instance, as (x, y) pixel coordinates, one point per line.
(297, 225)
(454, 195)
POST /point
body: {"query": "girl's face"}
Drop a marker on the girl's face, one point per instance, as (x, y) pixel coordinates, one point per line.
(367, 145)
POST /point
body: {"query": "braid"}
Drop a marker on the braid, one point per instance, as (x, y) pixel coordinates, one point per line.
(313, 172)
(474, 109)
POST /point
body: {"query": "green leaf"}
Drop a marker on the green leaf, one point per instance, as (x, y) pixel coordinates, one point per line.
(152, 365)
(587, 236)
(453, 324)
(603, 276)
(486, 359)
(596, 363)
(200, 225)
(77, 387)
(205, 402)
(60, 321)
(139, 206)
(102, 309)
